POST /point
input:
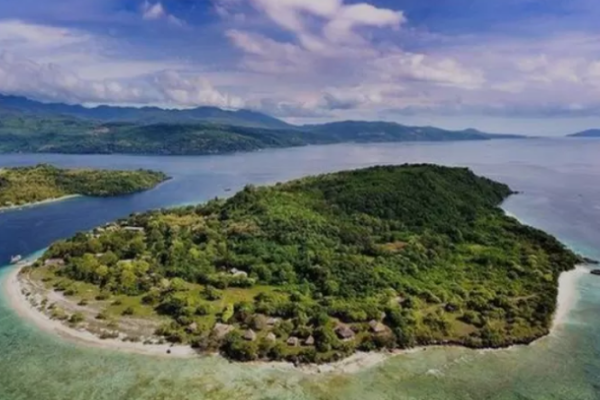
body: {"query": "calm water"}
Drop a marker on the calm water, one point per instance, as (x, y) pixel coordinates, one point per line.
(560, 181)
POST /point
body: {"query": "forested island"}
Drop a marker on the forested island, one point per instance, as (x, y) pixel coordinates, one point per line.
(28, 185)
(313, 270)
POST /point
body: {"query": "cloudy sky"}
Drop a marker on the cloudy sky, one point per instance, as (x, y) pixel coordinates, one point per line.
(523, 66)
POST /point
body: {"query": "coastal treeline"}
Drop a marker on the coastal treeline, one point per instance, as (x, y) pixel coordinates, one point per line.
(19, 186)
(315, 269)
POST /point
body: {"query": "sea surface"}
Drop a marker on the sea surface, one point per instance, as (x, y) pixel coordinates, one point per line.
(559, 181)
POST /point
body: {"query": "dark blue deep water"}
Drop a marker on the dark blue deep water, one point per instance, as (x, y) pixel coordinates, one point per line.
(559, 181)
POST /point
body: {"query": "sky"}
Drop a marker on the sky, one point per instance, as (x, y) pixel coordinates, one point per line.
(514, 66)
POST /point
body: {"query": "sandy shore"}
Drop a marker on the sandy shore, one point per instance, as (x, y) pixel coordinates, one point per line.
(39, 203)
(13, 288)
(17, 300)
(567, 294)
(359, 361)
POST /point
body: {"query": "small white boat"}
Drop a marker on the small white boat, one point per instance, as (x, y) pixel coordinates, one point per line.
(15, 259)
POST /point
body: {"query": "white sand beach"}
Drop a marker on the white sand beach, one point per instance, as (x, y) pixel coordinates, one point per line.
(39, 203)
(359, 361)
(14, 294)
(567, 294)
(14, 288)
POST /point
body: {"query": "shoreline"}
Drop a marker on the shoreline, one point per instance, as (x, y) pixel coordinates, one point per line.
(39, 203)
(567, 295)
(14, 291)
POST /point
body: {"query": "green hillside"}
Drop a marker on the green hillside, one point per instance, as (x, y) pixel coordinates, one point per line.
(314, 269)
(28, 126)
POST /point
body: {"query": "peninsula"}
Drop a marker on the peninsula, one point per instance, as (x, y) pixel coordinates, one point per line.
(313, 270)
(30, 185)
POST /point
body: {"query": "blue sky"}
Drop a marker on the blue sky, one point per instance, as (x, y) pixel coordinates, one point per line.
(524, 66)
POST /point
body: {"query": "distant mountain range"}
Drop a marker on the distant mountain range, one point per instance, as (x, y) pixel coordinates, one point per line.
(590, 133)
(31, 126)
(146, 115)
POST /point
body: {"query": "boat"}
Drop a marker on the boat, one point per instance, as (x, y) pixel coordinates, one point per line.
(15, 259)
(228, 189)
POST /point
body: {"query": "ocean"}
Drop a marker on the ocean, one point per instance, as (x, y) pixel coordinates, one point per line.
(559, 185)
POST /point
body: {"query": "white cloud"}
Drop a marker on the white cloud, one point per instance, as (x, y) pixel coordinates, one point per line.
(289, 13)
(332, 52)
(444, 71)
(351, 98)
(94, 74)
(156, 11)
(27, 38)
(51, 82)
(269, 56)
(192, 90)
(340, 28)
(322, 59)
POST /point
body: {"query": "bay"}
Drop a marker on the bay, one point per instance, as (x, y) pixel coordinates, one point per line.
(559, 181)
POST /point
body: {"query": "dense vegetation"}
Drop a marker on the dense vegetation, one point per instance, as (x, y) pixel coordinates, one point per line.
(27, 135)
(311, 270)
(30, 127)
(26, 185)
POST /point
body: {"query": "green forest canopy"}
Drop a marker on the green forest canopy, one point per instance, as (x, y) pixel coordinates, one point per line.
(26, 185)
(385, 257)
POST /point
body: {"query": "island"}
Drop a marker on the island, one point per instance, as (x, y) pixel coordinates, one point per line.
(590, 133)
(313, 270)
(40, 183)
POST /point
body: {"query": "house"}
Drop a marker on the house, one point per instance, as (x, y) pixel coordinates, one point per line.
(344, 333)
(249, 335)
(293, 341)
(133, 229)
(272, 321)
(221, 330)
(271, 337)
(310, 341)
(54, 262)
(377, 327)
(192, 328)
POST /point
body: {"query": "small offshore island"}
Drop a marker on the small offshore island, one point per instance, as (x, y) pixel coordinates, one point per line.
(41, 183)
(313, 270)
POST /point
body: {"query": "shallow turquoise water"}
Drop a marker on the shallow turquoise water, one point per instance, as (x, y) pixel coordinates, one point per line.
(561, 184)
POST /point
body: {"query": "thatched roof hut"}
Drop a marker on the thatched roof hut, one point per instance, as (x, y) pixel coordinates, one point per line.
(377, 327)
(310, 341)
(249, 335)
(271, 337)
(221, 330)
(54, 262)
(344, 332)
(293, 341)
(192, 328)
